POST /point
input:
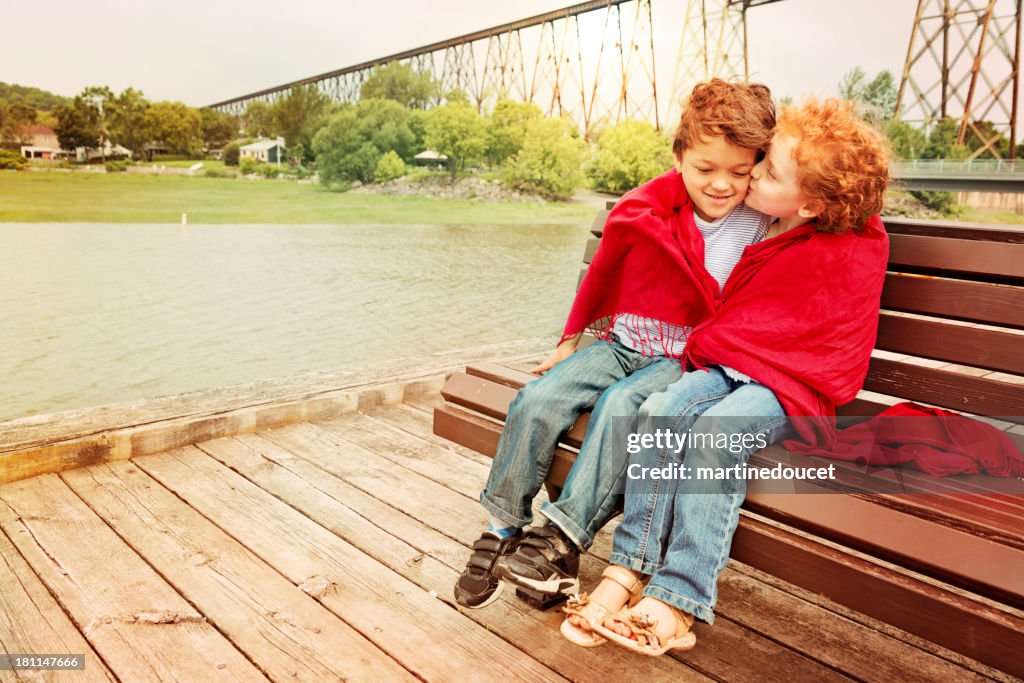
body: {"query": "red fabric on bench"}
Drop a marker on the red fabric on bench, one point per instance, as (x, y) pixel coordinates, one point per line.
(937, 441)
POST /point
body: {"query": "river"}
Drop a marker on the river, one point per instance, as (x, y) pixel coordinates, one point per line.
(93, 314)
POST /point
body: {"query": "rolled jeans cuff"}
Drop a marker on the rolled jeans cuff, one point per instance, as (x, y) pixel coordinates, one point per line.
(633, 563)
(701, 612)
(504, 515)
(568, 527)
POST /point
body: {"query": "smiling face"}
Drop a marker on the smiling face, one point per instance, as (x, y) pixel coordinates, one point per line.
(716, 173)
(775, 188)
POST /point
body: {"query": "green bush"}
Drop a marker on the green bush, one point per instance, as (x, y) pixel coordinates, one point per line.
(117, 166)
(231, 153)
(248, 165)
(11, 160)
(218, 173)
(269, 170)
(943, 202)
(549, 161)
(389, 167)
(629, 154)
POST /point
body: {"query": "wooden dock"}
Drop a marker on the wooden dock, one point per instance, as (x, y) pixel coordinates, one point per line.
(326, 549)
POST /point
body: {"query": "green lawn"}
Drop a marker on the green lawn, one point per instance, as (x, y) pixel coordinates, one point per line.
(122, 198)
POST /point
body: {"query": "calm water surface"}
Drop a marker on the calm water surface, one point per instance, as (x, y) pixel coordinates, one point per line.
(94, 313)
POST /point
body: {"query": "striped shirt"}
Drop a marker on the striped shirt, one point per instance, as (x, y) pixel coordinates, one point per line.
(724, 241)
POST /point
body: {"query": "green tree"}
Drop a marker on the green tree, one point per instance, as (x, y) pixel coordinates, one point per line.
(232, 152)
(907, 141)
(389, 167)
(399, 82)
(218, 128)
(550, 159)
(127, 121)
(11, 160)
(942, 142)
(881, 94)
(457, 131)
(878, 95)
(15, 123)
(299, 114)
(258, 120)
(78, 125)
(352, 142)
(175, 126)
(629, 154)
(506, 128)
(100, 97)
(32, 97)
(852, 83)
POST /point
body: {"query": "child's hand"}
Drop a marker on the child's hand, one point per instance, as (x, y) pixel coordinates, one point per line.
(562, 351)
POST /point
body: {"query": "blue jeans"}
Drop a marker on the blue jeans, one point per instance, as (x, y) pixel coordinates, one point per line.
(614, 380)
(679, 530)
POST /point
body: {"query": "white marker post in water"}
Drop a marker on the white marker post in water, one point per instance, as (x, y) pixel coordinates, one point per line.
(184, 219)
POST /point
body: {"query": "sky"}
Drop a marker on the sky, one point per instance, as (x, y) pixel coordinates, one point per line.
(203, 51)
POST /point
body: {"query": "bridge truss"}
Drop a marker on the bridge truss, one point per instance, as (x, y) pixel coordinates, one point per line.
(943, 75)
(594, 62)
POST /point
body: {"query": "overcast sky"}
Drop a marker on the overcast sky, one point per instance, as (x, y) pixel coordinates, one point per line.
(203, 51)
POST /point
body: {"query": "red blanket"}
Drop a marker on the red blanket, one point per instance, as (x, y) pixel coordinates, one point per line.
(800, 315)
(935, 441)
(799, 312)
(650, 263)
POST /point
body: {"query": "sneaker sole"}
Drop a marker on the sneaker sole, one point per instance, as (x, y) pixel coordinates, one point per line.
(565, 586)
(494, 596)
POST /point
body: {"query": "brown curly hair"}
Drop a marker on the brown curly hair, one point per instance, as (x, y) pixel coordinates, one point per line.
(842, 162)
(743, 112)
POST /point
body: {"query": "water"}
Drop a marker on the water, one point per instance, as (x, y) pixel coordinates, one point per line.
(94, 313)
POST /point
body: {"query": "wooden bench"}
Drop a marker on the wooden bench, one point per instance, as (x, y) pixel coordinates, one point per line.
(947, 566)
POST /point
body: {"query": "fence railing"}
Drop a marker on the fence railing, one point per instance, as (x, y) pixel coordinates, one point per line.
(950, 166)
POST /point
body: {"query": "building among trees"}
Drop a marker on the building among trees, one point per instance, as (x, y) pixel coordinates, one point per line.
(267, 151)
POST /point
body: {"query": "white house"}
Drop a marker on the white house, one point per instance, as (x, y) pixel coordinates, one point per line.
(44, 143)
(269, 151)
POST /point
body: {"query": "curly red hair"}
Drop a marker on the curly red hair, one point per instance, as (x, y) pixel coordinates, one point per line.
(843, 163)
(742, 112)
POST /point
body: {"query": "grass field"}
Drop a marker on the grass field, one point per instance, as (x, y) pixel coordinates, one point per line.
(123, 198)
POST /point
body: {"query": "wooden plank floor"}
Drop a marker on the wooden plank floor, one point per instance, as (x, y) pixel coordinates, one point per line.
(328, 551)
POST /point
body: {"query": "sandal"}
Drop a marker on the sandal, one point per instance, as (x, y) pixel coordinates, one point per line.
(593, 612)
(647, 642)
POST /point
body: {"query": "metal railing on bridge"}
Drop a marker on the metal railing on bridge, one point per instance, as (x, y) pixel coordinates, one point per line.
(955, 167)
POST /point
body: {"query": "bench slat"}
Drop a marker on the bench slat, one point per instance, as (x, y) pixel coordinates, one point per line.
(972, 301)
(946, 389)
(895, 597)
(939, 255)
(989, 232)
(980, 348)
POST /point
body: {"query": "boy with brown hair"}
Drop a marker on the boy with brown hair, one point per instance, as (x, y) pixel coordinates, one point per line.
(790, 342)
(668, 249)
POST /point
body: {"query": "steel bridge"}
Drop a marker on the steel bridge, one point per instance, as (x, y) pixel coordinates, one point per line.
(594, 62)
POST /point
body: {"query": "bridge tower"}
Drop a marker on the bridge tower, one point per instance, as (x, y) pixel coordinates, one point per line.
(943, 78)
(714, 44)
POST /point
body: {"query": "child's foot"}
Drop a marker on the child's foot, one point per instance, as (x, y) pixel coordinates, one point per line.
(478, 586)
(546, 561)
(618, 588)
(653, 625)
(609, 594)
